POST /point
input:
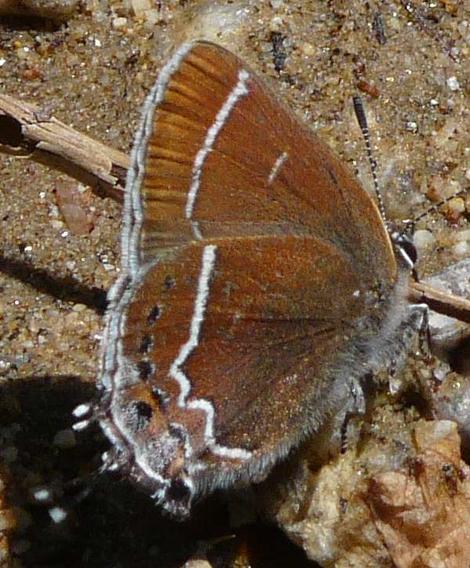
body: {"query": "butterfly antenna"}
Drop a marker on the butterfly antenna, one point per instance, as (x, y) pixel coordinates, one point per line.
(434, 207)
(409, 224)
(402, 240)
(362, 121)
(81, 487)
(75, 491)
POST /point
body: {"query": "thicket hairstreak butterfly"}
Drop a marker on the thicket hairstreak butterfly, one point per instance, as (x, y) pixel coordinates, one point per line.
(259, 285)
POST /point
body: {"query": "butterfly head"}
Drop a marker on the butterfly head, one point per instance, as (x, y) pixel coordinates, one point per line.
(404, 246)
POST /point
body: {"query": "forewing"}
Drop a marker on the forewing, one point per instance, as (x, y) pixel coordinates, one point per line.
(224, 158)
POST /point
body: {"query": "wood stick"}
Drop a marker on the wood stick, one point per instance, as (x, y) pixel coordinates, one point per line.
(26, 128)
(441, 302)
(47, 140)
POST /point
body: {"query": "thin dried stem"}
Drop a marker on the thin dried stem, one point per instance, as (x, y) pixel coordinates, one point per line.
(28, 130)
(441, 302)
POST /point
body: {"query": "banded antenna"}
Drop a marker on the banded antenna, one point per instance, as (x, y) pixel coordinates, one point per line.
(362, 121)
(408, 223)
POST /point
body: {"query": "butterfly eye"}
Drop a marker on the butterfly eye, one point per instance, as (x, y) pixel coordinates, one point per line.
(410, 249)
(406, 248)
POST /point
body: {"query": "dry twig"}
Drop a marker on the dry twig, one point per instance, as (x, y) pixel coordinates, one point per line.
(27, 129)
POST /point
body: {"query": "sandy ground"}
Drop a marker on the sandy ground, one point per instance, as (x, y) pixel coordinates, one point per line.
(92, 71)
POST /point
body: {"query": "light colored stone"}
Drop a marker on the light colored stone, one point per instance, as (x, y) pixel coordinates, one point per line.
(453, 83)
(423, 239)
(461, 249)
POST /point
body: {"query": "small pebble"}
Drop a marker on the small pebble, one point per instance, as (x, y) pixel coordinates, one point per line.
(152, 17)
(453, 84)
(119, 23)
(457, 204)
(139, 6)
(57, 514)
(41, 494)
(461, 249)
(276, 23)
(425, 373)
(455, 209)
(423, 239)
(56, 224)
(308, 49)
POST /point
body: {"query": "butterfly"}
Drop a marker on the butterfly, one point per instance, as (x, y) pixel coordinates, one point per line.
(259, 286)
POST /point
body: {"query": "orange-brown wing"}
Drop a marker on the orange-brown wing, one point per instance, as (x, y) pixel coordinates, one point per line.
(224, 159)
